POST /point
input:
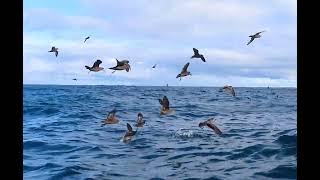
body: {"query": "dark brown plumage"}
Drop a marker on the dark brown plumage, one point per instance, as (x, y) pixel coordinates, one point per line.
(197, 55)
(111, 118)
(184, 72)
(210, 124)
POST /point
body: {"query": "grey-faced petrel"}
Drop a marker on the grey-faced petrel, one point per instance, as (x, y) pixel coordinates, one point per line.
(229, 89)
(111, 118)
(184, 72)
(54, 49)
(209, 123)
(254, 36)
(95, 67)
(165, 106)
(197, 55)
(129, 134)
(86, 39)
(121, 65)
(140, 120)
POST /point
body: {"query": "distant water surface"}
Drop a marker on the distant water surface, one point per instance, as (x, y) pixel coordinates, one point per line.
(63, 138)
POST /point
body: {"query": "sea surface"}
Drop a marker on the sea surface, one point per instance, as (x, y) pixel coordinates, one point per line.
(63, 137)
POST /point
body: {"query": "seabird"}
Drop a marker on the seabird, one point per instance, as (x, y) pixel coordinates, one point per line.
(74, 79)
(95, 67)
(256, 35)
(111, 118)
(154, 66)
(197, 55)
(210, 124)
(86, 39)
(129, 134)
(184, 71)
(165, 106)
(229, 89)
(140, 120)
(121, 65)
(54, 49)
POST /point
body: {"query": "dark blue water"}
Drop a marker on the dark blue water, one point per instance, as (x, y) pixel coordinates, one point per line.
(63, 139)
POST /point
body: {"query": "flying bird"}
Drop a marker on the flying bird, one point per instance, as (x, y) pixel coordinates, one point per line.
(197, 55)
(54, 49)
(184, 72)
(254, 36)
(229, 89)
(154, 66)
(209, 123)
(74, 79)
(121, 65)
(165, 106)
(129, 134)
(111, 118)
(95, 67)
(86, 39)
(140, 120)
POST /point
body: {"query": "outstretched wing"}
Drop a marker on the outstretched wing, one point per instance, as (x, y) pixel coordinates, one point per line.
(165, 102)
(97, 63)
(127, 67)
(213, 127)
(185, 67)
(252, 38)
(112, 114)
(57, 53)
(260, 32)
(196, 52)
(203, 59)
(129, 127)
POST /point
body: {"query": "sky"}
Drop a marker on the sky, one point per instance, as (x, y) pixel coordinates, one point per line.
(162, 32)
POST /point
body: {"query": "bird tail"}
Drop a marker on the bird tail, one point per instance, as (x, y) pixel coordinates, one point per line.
(87, 67)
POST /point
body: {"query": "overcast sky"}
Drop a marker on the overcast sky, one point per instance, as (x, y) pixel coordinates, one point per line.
(162, 32)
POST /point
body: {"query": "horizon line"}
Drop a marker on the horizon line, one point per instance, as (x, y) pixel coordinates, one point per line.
(154, 85)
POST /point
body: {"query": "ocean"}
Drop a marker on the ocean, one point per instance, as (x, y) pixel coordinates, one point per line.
(63, 137)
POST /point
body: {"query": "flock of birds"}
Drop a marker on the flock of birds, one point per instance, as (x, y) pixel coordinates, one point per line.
(165, 110)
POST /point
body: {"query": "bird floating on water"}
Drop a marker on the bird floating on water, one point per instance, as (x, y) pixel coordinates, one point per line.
(165, 106)
(140, 120)
(96, 66)
(111, 118)
(121, 65)
(86, 39)
(254, 36)
(197, 55)
(129, 134)
(54, 49)
(229, 89)
(209, 123)
(184, 72)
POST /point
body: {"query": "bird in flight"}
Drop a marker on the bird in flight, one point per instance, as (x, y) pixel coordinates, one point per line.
(154, 66)
(229, 89)
(54, 49)
(184, 72)
(197, 55)
(121, 65)
(210, 123)
(254, 36)
(165, 106)
(86, 39)
(95, 67)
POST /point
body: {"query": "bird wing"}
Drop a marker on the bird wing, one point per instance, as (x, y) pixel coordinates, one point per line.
(260, 32)
(56, 53)
(129, 127)
(127, 66)
(112, 114)
(185, 67)
(252, 38)
(230, 90)
(120, 63)
(196, 52)
(213, 127)
(165, 102)
(97, 63)
(203, 59)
